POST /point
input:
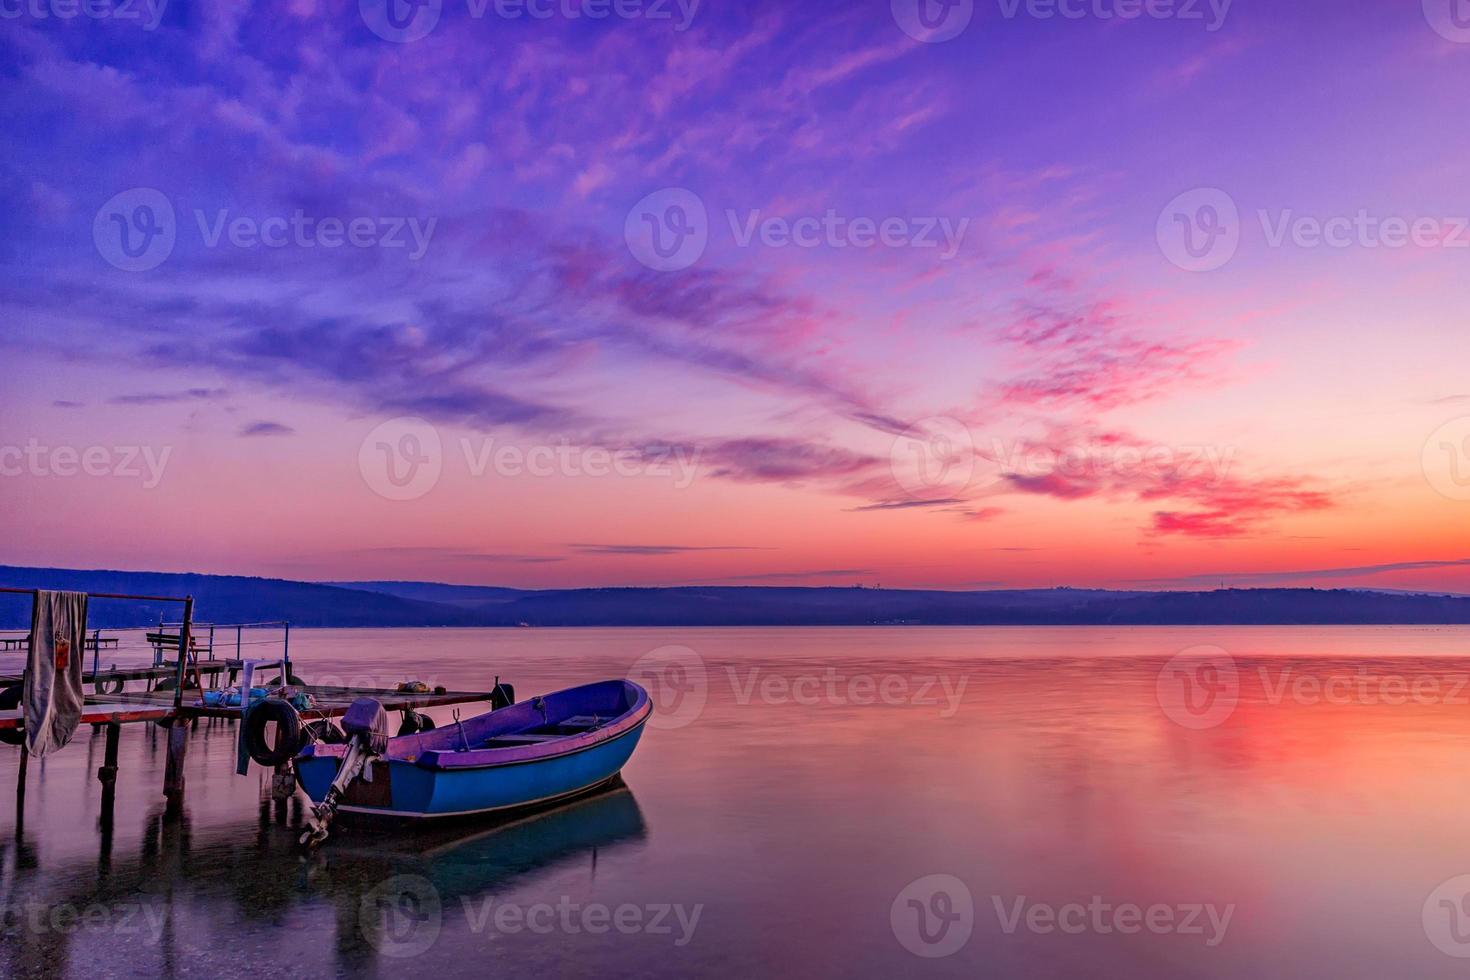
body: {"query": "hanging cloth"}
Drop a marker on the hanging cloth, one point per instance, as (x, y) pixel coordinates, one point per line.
(53, 683)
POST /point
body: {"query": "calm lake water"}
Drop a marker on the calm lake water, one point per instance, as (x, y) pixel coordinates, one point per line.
(822, 802)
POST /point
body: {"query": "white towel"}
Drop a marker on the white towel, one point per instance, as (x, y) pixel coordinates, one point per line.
(53, 688)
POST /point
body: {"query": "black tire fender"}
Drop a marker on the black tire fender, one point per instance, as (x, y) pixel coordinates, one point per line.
(10, 699)
(288, 732)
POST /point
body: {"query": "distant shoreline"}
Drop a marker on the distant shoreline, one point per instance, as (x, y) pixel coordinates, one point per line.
(423, 605)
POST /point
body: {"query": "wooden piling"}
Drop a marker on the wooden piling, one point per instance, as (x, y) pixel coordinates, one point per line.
(283, 782)
(173, 770)
(107, 775)
(20, 791)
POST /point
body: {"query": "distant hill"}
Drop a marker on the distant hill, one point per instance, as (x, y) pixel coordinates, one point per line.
(222, 599)
(231, 598)
(459, 595)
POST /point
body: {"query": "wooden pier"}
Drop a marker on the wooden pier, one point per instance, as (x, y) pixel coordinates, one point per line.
(328, 702)
(115, 674)
(178, 701)
(94, 642)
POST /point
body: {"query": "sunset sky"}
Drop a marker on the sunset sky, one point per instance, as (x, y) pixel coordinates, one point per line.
(740, 293)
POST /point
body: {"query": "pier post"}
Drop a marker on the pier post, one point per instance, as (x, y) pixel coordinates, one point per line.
(186, 635)
(173, 770)
(283, 782)
(107, 775)
(20, 791)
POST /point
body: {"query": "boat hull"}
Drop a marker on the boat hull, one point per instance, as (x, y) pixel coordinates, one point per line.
(414, 793)
(489, 765)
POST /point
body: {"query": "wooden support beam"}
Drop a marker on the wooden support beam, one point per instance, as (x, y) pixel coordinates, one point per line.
(20, 791)
(173, 771)
(107, 775)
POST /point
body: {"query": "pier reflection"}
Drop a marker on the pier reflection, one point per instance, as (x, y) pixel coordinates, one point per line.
(187, 890)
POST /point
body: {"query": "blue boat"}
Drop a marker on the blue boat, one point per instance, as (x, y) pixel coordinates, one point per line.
(538, 751)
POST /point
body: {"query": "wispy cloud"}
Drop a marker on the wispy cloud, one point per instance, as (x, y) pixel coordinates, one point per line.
(168, 397)
(254, 429)
(654, 550)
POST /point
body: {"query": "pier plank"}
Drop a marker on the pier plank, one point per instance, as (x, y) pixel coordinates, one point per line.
(331, 702)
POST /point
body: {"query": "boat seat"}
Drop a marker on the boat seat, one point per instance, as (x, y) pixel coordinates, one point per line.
(505, 741)
(586, 722)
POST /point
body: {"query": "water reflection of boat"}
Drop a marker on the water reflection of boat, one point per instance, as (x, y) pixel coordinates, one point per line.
(469, 863)
(233, 883)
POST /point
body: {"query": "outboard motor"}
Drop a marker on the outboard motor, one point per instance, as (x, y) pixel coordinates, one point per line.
(366, 727)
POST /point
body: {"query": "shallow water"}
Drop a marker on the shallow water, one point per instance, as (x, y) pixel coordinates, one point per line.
(823, 802)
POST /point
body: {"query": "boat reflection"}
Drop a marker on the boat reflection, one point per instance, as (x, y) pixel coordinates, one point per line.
(206, 890)
(462, 861)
